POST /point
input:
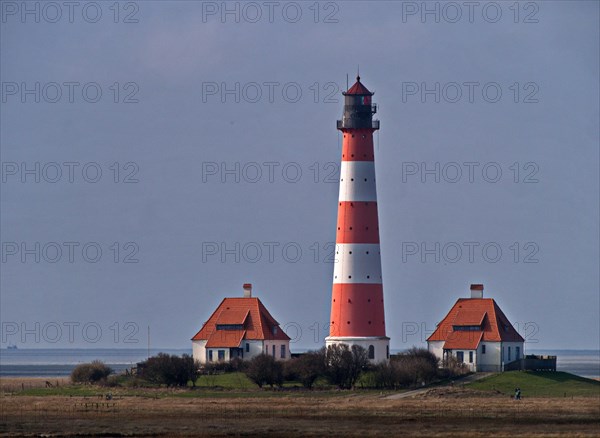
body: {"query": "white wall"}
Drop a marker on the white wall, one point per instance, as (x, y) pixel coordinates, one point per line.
(513, 349)
(268, 349)
(380, 345)
(437, 348)
(256, 348)
(198, 351)
(491, 361)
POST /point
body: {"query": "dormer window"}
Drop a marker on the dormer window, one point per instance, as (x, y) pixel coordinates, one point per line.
(466, 328)
(230, 326)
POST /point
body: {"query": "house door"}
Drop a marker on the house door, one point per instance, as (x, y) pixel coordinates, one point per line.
(460, 356)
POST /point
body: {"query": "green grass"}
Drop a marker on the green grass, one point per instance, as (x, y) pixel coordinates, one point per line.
(539, 384)
(226, 380)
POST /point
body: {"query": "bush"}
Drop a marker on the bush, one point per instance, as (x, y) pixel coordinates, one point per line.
(170, 370)
(307, 368)
(234, 365)
(265, 370)
(343, 365)
(93, 372)
(408, 369)
(417, 366)
(453, 368)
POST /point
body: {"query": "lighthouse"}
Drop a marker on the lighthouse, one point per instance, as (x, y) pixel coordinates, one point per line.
(357, 312)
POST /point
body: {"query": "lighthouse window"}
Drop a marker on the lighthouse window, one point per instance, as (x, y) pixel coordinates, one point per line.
(365, 179)
(350, 252)
(368, 276)
(348, 322)
(364, 136)
(369, 322)
(371, 352)
(367, 251)
(351, 179)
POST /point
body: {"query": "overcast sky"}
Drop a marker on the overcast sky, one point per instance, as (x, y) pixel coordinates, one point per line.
(216, 142)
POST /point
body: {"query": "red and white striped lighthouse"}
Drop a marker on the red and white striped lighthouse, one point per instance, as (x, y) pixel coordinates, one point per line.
(357, 315)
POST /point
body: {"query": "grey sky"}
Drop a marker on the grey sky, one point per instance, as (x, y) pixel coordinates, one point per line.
(170, 62)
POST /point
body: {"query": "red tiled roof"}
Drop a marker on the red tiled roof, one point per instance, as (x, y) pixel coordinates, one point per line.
(258, 324)
(469, 317)
(225, 338)
(358, 88)
(467, 340)
(495, 328)
(233, 316)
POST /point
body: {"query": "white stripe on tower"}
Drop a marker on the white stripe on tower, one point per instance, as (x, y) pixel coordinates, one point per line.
(357, 181)
(357, 263)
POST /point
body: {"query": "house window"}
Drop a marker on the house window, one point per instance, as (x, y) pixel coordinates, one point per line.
(460, 356)
(483, 349)
(221, 354)
(210, 358)
(387, 351)
(283, 351)
(517, 352)
(371, 352)
(470, 357)
(273, 349)
(509, 354)
(274, 330)
(247, 347)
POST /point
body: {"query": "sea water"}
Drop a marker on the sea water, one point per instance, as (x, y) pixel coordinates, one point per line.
(48, 362)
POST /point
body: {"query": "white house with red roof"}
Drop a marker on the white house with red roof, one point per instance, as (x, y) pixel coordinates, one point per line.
(477, 333)
(240, 327)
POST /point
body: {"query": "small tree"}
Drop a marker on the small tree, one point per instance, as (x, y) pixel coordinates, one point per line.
(265, 370)
(344, 365)
(93, 372)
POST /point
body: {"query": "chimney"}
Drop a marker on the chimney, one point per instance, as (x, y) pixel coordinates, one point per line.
(247, 290)
(477, 291)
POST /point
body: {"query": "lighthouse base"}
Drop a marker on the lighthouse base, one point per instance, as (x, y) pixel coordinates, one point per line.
(378, 347)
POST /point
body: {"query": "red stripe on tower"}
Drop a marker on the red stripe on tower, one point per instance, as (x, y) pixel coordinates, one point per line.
(357, 311)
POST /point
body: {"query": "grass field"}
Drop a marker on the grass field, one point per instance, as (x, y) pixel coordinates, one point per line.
(233, 407)
(539, 384)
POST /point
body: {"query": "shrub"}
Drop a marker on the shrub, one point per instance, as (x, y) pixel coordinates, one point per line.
(234, 365)
(307, 368)
(170, 370)
(410, 368)
(453, 368)
(343, 365)
(265, 370)
(93, 372)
